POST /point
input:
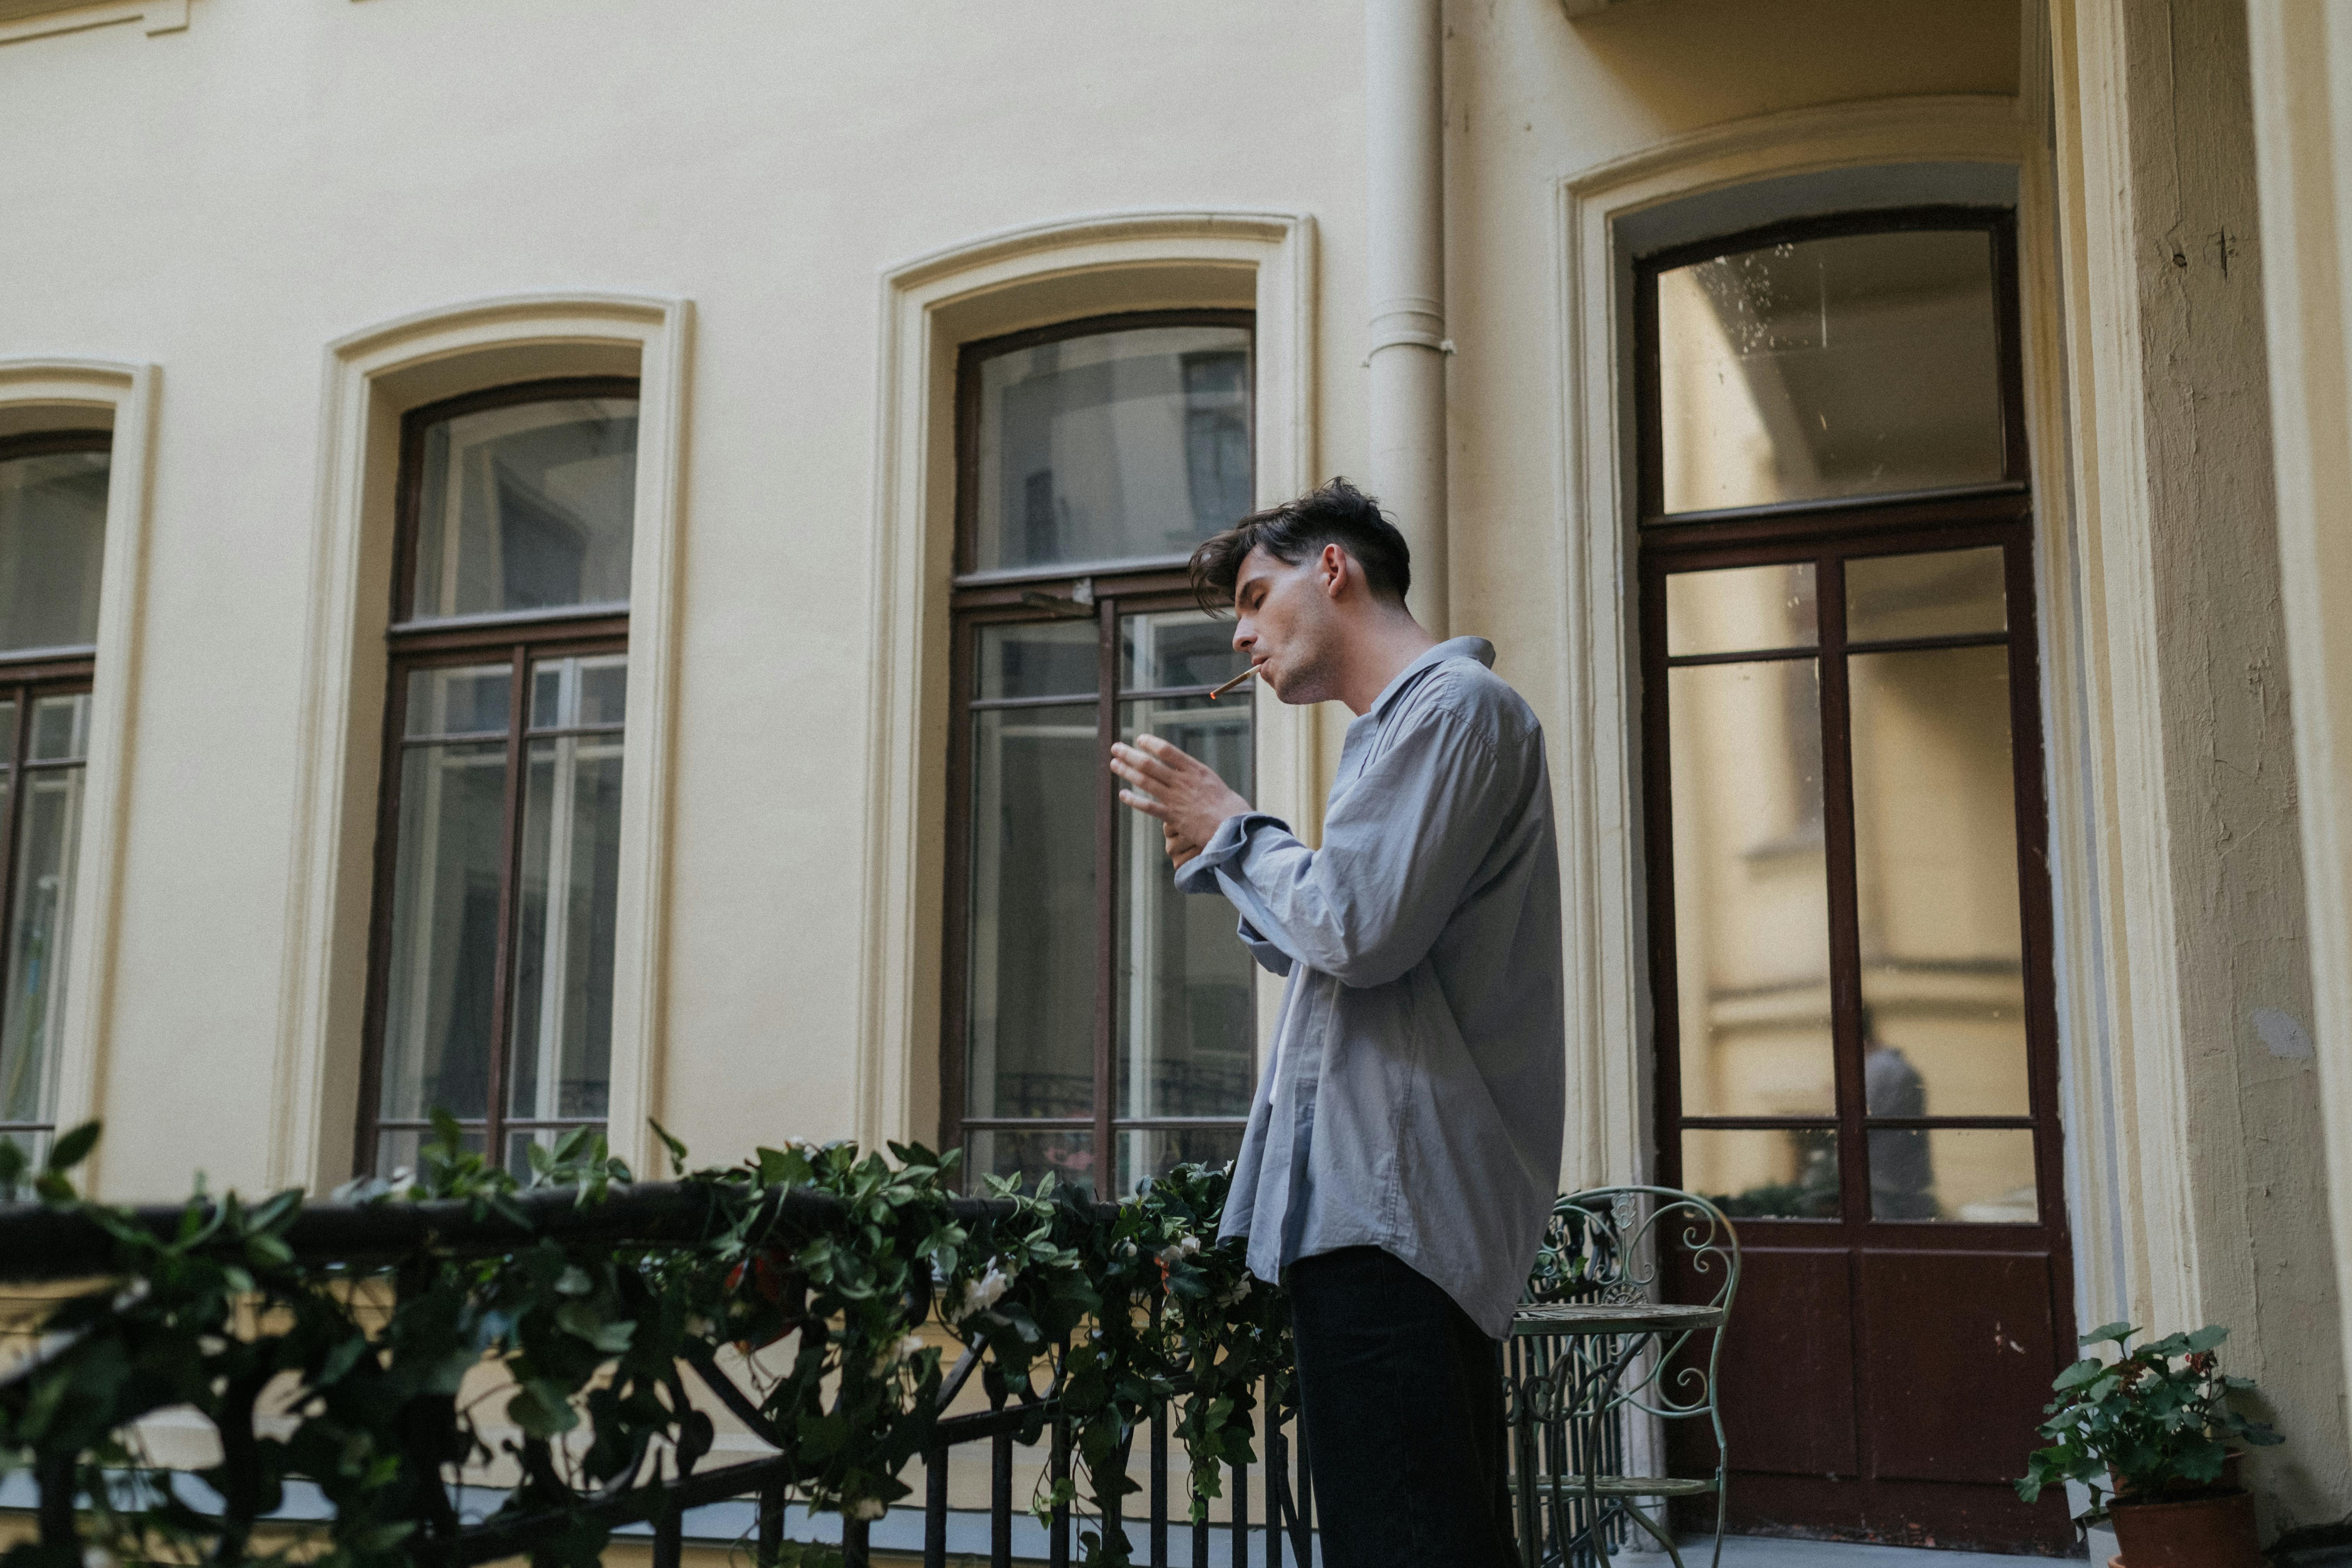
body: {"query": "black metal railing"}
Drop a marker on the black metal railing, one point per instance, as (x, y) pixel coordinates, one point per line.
(380, 1240)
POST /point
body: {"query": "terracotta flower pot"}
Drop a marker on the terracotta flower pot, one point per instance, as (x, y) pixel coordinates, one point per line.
(2215, 1531)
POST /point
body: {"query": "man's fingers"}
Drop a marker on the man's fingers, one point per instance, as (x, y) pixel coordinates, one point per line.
(1138, 768)
(1168, 753)
(1144, 804)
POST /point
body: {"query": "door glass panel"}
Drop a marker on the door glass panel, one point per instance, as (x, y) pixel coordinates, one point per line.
(1936, 890)
(1764, 1174)
(1742, 609)
(528, 507)
(564, 927)
(1862, 364)
(1111, 447)
(1036, 776)
(438, 987)
(52, 542)
(1066, 1153)
(1037, 658)
(1147, 1154)
(1176, 648)
(1751, 890)
(60, 729)
(1947, 593)
(1186, 1027)
(396, 1147)
(1975, 1175)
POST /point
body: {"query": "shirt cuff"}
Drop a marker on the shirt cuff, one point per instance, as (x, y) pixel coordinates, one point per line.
(1225, 846)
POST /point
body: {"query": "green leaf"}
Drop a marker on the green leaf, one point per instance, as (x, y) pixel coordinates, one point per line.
(2206, 1337)
(74, 1147)
(2119, 1332)
(676, 1150)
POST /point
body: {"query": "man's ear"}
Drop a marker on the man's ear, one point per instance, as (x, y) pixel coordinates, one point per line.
(1333, 568)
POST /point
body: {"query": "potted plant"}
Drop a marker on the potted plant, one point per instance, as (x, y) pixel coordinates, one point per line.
(2155, 1425)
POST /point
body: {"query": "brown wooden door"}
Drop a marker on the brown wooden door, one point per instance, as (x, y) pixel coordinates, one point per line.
(1849, 894)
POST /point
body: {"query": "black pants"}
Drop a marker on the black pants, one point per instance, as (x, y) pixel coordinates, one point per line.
(1401, 1398)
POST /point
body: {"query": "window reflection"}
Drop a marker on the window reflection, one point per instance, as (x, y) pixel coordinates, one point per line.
(531, 506)
(52, 543)
(1855, 365)
(1112, 446)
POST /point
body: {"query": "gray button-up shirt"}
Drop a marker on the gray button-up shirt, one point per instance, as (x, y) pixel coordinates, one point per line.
(1414, 1098)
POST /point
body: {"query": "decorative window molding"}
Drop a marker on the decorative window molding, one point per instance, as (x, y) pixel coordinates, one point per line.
(86, 394)
(1856, 155)
(23, 19)
(372, 377)
(1001, 283)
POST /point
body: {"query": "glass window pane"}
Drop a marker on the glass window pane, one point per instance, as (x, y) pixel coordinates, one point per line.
(60, 729)
(1176, 647)
(1037, 658)
(1186, 1029)
(1768, 1174)
(1947, 593)
(445, 920)
(559, 1063)
(1145, 1154)
(1751, 889)
(1741, 609)
(1036, 773)
(1936, 892)
(1863, 364)
(518, 1147)
(468, 700)
(1976, 1175)
(1111, 447)
(528, 507)
(1067, 1154)
(32, 1016)
(580, 694)
(52, 542)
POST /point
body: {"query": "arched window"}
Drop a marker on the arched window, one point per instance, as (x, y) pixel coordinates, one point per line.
(53, 495)
(490, 980)
(1098, 1025)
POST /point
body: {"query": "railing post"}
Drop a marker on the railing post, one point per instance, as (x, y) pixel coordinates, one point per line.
(1000, 1501)
(772, 1523)
(55, 1476)
(669, 1537)
(1240, 1517)
(1277, 1482)
(854, 1536)
(1160, 1488)
(1058, 1533)
(935, 1506)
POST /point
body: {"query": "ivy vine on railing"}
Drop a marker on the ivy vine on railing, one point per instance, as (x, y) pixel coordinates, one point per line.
(365, 1375)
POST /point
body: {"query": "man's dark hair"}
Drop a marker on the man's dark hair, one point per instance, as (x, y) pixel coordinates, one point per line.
(1337, 514)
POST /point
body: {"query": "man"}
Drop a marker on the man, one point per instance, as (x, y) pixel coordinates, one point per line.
(1403, 1150)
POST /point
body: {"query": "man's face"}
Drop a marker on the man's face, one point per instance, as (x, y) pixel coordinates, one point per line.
(1283, 622)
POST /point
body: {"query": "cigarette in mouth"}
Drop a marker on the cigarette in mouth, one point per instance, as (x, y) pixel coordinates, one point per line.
(1229, 685)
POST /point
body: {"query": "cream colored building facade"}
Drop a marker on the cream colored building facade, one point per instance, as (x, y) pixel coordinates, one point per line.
(248, 237)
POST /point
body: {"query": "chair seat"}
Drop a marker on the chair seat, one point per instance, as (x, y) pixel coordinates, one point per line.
(1611, 1318)
(1622, 1485)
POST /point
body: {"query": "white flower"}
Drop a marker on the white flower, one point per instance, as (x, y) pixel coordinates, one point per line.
(980, 1294)
(96, 1556)
(1192, 1244)
(897, 1352)
(868, 1508)
(1170, 1253)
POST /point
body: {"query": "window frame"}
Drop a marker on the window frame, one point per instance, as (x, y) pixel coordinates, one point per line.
(1829, 532)
(1019, 596)
(64, 670)
(523, 638)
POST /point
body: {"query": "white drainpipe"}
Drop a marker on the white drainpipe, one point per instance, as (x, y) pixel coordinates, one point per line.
(1404, 50)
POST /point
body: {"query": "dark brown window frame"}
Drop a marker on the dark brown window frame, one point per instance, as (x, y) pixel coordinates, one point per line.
(1828, 532)
(522, 639)
(23, 678)
(978, 598)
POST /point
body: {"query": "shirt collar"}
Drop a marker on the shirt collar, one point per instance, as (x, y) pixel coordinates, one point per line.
(1478, 648)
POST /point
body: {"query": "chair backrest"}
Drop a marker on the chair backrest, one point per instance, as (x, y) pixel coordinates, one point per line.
(1612, 1243)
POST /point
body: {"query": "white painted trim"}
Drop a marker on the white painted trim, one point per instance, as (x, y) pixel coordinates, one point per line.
(43, 21)
(2302, 70)
(2125, 759)
(1002, 282)
(127, 393)
(371, 377)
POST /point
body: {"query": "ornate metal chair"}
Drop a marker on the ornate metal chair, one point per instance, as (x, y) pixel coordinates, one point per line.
(1593, 1347)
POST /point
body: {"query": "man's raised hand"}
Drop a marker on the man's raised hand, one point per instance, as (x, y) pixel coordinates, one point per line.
(1184, 793)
